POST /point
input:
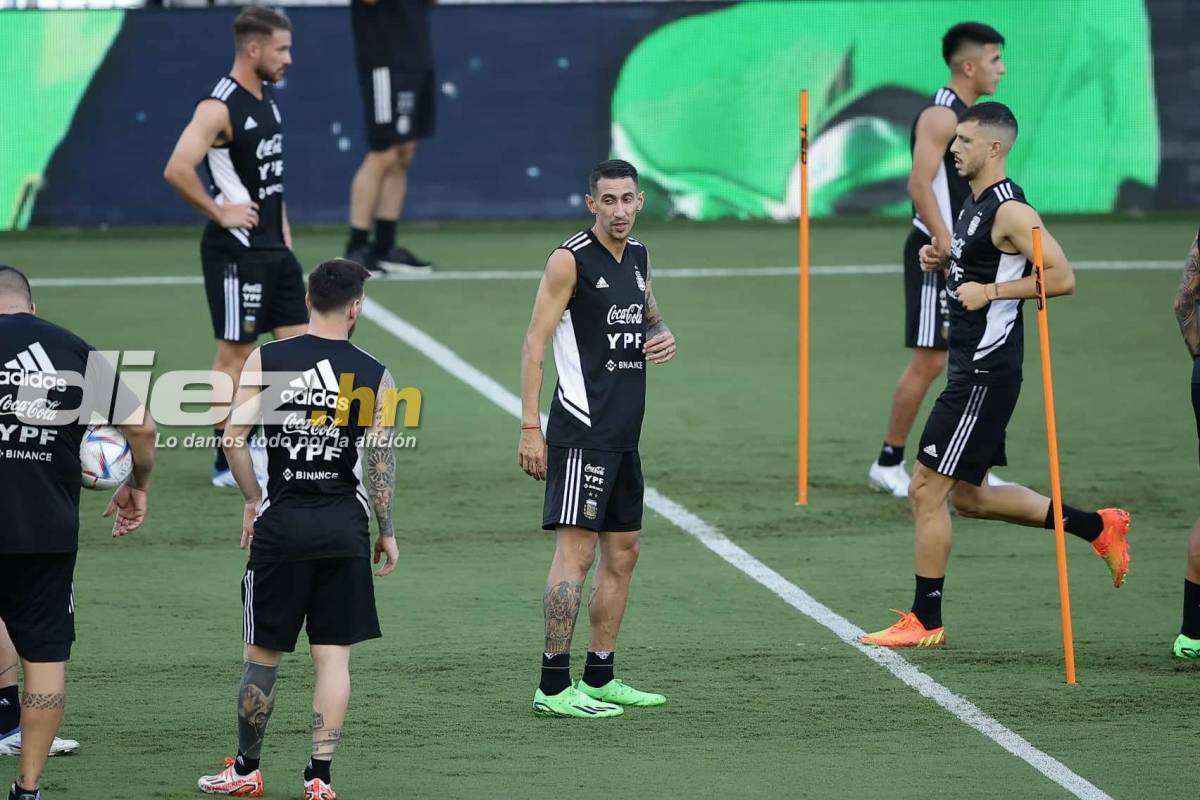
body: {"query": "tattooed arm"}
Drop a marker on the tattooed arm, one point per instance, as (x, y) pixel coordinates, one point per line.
(660, 342)
(381, 477)
(1187, 301)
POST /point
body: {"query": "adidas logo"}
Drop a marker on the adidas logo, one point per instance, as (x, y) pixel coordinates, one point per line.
(601, 284)
(251, 124)
(931, 451)
(32, 367)
(317, 386)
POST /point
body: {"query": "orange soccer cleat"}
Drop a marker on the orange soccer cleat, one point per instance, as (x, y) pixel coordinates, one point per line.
(228, 782)
(1112, 544)
(907, 632)
(317, 789)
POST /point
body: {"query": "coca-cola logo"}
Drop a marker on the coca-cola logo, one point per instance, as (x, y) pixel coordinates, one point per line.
(269, 147)
(627, 315)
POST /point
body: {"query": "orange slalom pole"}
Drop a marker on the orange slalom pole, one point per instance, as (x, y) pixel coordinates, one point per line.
(802, 426)
(1060, 546)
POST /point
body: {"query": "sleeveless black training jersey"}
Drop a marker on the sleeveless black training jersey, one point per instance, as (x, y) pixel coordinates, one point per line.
(315, 504)
(986, 346)
(249, 168)
(392, 33)
(949, 188)
(39, 449)
(601, 393)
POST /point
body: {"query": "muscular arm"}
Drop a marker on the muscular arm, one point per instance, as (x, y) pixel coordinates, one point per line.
(1187, 301)
(381, 461)
(935, 131)
(654, 319)
(1013, 230)
(242, 419)
(554, 292)
(660, 342)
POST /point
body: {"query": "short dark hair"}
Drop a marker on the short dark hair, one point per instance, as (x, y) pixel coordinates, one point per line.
(336, 283)
(992, 114)
(612, 168)
(13, 281)
(965, 33)
(258, 21)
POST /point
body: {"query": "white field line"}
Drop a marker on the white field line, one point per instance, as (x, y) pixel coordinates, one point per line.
(716, 541)
(534, 274)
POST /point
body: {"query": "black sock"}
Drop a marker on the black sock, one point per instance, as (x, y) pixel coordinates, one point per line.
(385, 236)
(221, 463)
(243, 765)
(927, 602)
(318, 768)
(598, 667)
(1191, 610)
(359, 238)
(891, 455)
(556, 672)
(1087, 525)
(10, 709)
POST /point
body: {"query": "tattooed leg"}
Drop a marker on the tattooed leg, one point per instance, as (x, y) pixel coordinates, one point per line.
(41, 713)
(331, 696)
(574, 551)
(256, 701)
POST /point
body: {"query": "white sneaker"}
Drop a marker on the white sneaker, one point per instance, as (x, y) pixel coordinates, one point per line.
(224, 479)
(893, 480)
(994, 480)
(10, 745)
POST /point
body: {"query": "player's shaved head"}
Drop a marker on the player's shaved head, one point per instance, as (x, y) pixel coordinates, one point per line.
(335, 284)
(614, 168)
(258, 21)
(997, 118)
(15, 294)
(964, 36)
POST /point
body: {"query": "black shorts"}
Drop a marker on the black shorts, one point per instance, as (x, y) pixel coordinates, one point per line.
(37, 604)
(335, 595)
(400, 105)
(926, 307)
(252, 292)
(964, 435)
(594, 489)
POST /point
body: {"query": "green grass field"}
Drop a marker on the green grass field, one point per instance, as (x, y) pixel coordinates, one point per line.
(764, 702)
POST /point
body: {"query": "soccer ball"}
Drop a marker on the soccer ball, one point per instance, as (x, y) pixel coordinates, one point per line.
(105, 457)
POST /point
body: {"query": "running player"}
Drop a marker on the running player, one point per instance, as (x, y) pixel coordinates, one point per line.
(39, 500)
(253, 282)
(597, 303)
(394, 55)
(972, 52)
(10, 704)
(989, 277)
(1187, 313)
(308, 533)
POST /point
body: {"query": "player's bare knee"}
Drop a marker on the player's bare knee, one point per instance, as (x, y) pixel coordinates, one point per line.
(621, 556)
(928, 363)
(969, 501)
(403, 155)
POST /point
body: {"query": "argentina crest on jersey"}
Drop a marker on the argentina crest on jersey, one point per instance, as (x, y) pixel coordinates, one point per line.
(641, 282)
(975, 220)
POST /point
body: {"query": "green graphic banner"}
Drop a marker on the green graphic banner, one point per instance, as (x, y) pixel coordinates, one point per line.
(707, 105)
(48, 59)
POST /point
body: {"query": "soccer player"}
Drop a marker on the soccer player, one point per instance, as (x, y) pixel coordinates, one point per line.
(1187, 313)
(989, 277)
(10, 704)
(39, 501)
(394, 55)
(308, 534)
(972, 52)
(253, 282)
(596, 301)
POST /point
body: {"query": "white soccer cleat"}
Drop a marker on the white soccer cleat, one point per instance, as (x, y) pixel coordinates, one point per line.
(893, 480)
(224, 479)
(994, 480)
(10, 745)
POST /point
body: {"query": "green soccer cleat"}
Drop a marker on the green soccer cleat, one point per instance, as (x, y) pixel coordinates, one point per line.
(1185, 648)
(571, 702)
(616, 691)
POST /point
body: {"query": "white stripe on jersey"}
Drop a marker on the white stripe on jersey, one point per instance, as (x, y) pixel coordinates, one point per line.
(581, 245)
(1001, 314)
(230, 186)
(572, 391)
(576, 239)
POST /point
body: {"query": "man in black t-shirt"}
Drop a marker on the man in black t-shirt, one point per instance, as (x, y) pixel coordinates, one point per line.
(51, 382)
(325, 416)
(597, 304)
(253, 282)
(394, 56)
